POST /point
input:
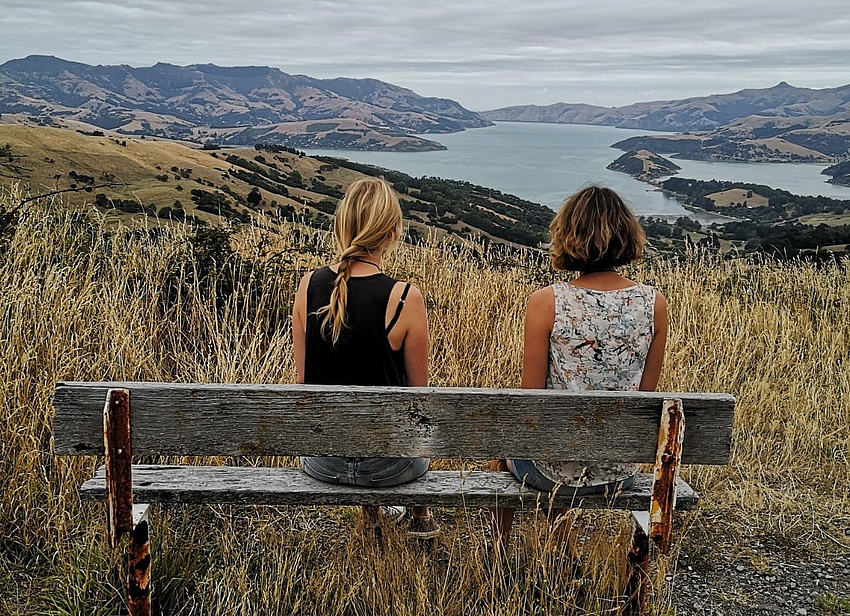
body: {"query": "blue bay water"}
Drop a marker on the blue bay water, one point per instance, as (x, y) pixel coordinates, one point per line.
(545, 163)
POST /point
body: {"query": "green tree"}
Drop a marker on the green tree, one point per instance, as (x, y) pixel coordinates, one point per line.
(254, 197)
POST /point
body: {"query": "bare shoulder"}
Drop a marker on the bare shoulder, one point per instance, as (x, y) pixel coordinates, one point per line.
(660, 300)
(301, 293)
(540, 311)
(305, 281)
(660, 307)
(414, 295)
(542, 298)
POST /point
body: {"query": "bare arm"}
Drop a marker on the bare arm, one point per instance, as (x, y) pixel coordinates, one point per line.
(299, 327)
(414, 323)
(539, 320)
(655, 358)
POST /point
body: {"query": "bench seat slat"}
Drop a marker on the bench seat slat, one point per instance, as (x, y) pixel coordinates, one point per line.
(291, 486)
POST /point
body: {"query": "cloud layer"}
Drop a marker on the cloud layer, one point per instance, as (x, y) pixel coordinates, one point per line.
(483, 53)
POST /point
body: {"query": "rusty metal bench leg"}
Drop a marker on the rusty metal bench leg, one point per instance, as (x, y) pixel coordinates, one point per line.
(667, 462)
(139, 564)
(119, 479)
(658, 523)
(636, 588)
(121, 516)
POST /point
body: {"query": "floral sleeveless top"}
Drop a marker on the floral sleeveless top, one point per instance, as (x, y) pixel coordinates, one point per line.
(600, 340)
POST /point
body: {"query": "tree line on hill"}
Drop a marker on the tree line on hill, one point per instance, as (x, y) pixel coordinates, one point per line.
(782, 205)
(453, 204)
(782, 241)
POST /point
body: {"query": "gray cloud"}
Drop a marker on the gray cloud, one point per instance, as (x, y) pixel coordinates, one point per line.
(483, 53)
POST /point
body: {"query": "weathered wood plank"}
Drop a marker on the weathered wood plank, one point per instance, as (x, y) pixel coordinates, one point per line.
(234, 420)
(291, 486)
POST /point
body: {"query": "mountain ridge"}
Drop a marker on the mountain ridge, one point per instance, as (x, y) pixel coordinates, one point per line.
(694, 113)
(130, 177)
(186, 100)
(743, 125)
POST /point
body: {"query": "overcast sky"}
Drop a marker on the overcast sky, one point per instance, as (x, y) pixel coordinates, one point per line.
(484, 54)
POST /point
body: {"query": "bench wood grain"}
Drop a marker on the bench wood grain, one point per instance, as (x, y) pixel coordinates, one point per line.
(232, 420)
(245, 485)
(288, 420)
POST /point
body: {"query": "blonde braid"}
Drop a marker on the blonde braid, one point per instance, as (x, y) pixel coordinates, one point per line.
(335, 316)
(366, 218)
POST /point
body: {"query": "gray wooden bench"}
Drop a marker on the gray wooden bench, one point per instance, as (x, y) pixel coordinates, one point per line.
(95, 419)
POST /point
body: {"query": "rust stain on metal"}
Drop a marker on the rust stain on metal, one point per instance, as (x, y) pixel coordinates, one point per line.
(668, 459)
(139, 571)
(119, 480)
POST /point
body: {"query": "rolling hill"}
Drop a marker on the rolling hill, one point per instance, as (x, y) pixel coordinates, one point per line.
(128, 177)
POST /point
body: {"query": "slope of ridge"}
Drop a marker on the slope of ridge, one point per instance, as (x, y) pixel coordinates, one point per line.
(132, 177)
(690, 114)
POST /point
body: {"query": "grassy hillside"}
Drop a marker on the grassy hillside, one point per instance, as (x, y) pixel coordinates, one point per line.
(175, 181)
(86, 299)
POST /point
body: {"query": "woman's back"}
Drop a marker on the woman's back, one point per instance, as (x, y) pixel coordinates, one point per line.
(600, 332)
(600, 339)
(362, 355)
(353, 325)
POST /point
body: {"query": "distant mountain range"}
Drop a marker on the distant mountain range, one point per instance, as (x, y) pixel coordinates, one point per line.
(782, 123)
(232, 105)
(205, 103)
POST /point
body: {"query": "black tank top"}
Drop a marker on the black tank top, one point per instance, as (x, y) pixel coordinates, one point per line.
(362, 355)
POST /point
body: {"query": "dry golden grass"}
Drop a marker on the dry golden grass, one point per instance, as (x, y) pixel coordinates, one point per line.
(85, 301)
(833, 220)
(156, 172)
(726, 198)
(43, 158)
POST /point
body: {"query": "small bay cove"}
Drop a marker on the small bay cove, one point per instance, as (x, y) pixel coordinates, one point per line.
(545, 163)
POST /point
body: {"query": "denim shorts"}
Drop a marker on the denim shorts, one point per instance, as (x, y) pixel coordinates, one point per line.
(528, 473)
(366, 472)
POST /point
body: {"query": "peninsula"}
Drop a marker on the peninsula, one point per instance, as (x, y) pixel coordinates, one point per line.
(644, 165)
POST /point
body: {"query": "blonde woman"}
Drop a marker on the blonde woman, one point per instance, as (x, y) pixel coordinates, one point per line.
(354, 325)
(598, 331)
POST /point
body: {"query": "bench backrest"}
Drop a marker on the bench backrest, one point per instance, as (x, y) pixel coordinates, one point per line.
(287, 420)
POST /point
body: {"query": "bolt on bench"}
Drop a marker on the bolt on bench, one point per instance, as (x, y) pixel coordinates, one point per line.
(120, 420)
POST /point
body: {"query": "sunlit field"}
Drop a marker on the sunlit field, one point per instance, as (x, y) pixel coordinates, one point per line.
(83, 300)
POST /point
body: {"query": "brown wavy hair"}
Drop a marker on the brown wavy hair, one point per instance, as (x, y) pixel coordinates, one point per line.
(367, 220)
(595, 229)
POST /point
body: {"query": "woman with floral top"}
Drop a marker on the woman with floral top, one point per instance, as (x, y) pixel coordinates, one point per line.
(600, 331)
